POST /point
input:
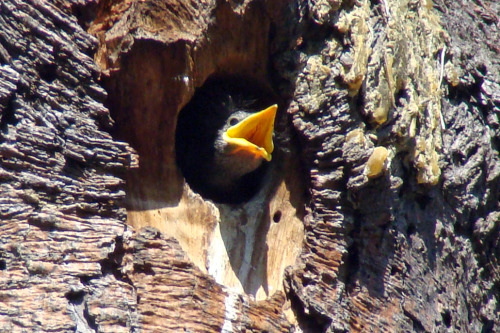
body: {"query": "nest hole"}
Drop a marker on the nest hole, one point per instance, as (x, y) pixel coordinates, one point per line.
(151, 98)
(209, 170)
(277, 216)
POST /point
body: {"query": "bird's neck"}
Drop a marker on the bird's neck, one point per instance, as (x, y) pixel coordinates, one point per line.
(231, 168)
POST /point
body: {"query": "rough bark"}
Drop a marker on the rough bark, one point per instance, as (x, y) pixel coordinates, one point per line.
(62, 173)
(391, 112)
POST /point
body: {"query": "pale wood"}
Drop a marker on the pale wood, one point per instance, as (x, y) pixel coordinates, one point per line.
(413, 248)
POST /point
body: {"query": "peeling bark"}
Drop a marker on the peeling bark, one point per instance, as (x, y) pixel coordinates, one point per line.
(62, 173)
(381, 215)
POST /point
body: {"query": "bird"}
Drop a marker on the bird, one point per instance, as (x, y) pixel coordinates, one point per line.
(224, 138)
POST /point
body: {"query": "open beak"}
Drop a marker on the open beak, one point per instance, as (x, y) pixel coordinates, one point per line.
(254, 134)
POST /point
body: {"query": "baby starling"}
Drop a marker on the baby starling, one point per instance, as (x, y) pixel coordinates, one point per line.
(224, 138)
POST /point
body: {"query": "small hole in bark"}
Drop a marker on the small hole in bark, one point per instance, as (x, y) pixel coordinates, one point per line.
(73, 168)
(145, 268)
(75, 297)
(401, 97)
(446, 318)
(411, 229)
(3, 265)
(85, 279)
(423, 201)
(85, 13)
(48, 72)
(7, 116)
(277, 216)
(488, 325)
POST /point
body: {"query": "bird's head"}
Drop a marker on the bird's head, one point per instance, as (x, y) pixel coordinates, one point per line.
(243, 143)
(250, 135)
(224, 137)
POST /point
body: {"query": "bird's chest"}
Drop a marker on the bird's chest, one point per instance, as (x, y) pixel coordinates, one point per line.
(229, 168)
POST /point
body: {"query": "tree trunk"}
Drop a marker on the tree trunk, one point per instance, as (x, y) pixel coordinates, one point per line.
(379, 212)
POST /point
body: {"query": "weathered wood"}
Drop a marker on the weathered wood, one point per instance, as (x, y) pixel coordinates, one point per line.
(176, 296)
(64, 249)
(394, 253)
(153, 77)
(62, 187)
(392, 114)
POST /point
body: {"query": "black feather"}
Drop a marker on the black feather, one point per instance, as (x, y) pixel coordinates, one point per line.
(198, 126)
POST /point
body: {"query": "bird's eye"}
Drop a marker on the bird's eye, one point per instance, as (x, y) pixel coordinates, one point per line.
(233, 121)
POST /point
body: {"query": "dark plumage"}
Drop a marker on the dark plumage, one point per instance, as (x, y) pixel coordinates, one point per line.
(214, 164)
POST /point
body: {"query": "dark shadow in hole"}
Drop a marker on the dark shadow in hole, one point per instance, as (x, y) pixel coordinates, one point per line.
(73, 168)
(277, 216)
(48, 72)
(7, 114)
(446, 315)
(75, 297)
(85, 13)
(198, 139)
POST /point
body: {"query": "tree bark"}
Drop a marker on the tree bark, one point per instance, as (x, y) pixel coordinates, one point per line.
(380, 213)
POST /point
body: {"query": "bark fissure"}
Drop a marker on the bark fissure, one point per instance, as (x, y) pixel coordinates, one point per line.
(395, 109)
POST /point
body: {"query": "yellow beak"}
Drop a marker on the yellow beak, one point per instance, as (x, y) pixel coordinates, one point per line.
(254, 134)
